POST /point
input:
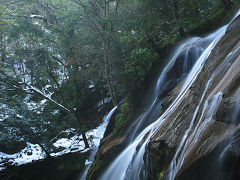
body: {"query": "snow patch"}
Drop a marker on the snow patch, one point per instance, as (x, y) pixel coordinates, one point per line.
(55, 112)
(103, 101)
(19, 116)
(36, 16)
(91, 86)
(32, 152)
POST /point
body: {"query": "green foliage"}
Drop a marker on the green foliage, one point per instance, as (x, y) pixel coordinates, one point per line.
(1, 13)
(138, 59)
(19, 123)
(161, 175)
(126, 108)
(139, 63)
(120, 119)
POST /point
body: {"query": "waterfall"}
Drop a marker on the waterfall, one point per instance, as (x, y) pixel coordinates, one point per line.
(99, 133)
(174, 72)
(130, 162)
(235, 116)
(189, 141)
(209, 109)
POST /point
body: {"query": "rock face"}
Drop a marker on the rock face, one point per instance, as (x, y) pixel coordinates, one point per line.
(211, 109)
(221, 164)
(161, 155)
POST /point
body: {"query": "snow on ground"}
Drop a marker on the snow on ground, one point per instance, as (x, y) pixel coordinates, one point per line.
(75, 143)
(103, 101)
(33, 152)
(29, 154)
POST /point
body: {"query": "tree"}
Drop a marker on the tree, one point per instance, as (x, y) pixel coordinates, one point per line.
(35, 62)
(195, 3)
(176, 16)
(227, 4)
(2, 36)
(96, 14)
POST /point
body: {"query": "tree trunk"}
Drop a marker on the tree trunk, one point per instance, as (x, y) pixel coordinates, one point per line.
(46, 152)
(85, 140)
(196, 7)
(153, 44)
(3, 46)
(227, 4)
(106, 66)
(176, 16)
(116, 8)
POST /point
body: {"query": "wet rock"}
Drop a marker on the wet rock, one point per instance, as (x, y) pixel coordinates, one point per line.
(233, 149)
(109, 150)
(159, 157)
(234, 24)
(223, 163)
(181, 67)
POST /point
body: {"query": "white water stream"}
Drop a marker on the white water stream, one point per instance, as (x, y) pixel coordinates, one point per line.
(99, 133)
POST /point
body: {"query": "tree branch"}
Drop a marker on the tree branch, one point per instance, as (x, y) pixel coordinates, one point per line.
(31, 89)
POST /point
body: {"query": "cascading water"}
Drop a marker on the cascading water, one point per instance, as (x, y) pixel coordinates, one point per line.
(100, 132)
(185, 56)
(235, 118)
(180, 154)
(209, 109)
(175, 71)
(191, 135)
(130, 163)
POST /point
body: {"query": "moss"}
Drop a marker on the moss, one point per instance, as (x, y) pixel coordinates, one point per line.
(126, 108)
(161, 175)
(119, 120)
(96, 169)
(122, 117)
